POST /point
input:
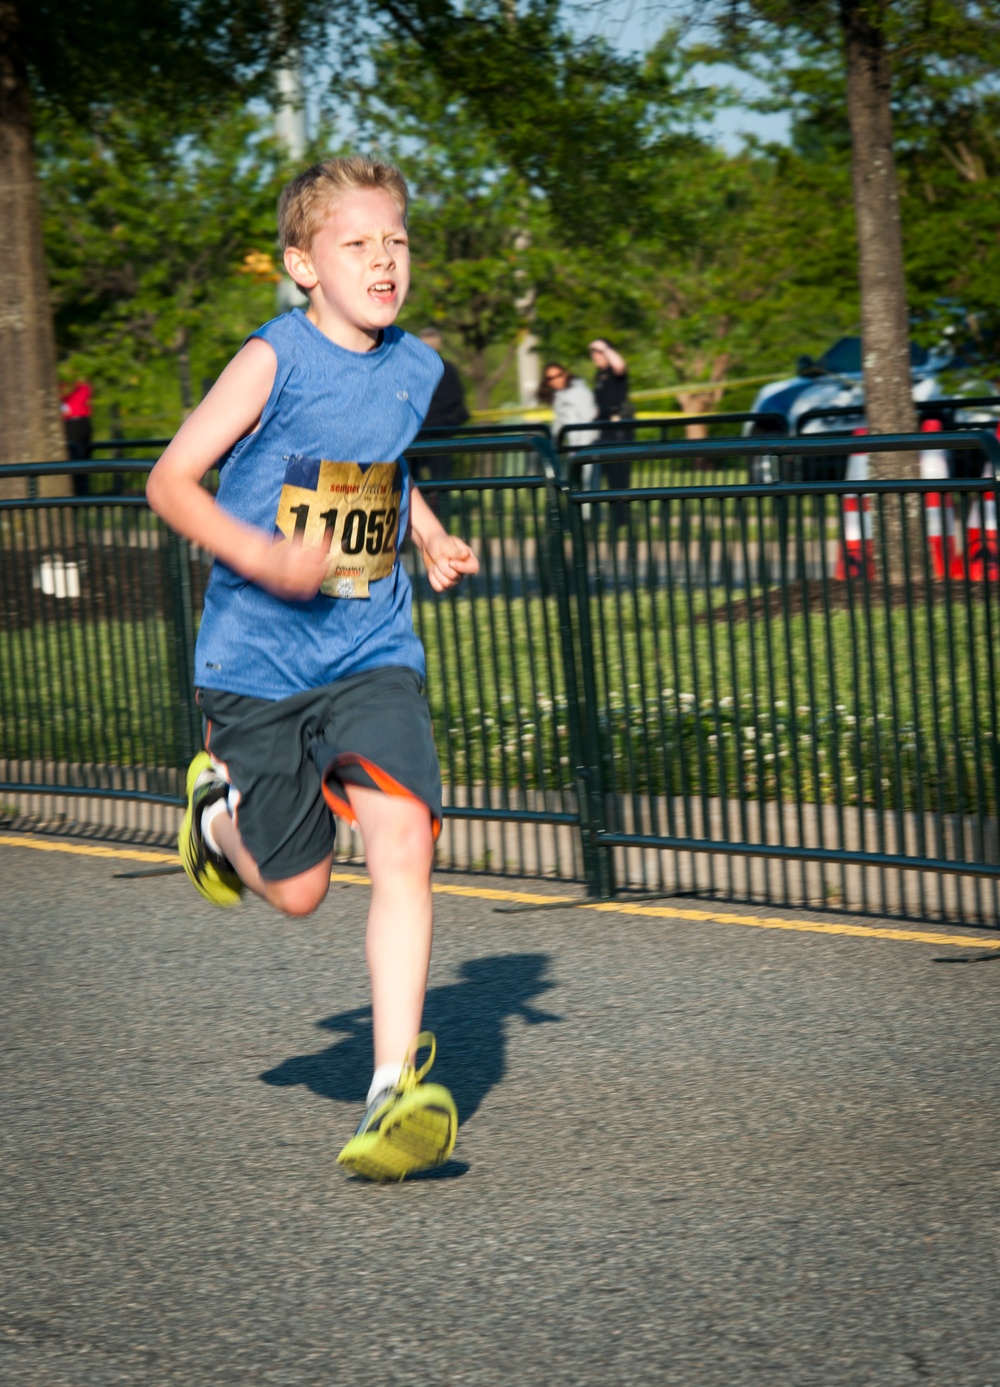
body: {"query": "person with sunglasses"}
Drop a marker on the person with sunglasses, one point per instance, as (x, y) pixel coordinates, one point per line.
(572, 402)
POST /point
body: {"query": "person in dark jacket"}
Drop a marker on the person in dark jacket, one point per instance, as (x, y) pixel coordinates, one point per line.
(446, 410)
(610, 382)
(611, 394)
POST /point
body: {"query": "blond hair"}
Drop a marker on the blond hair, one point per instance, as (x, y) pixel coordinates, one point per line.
(307, 200)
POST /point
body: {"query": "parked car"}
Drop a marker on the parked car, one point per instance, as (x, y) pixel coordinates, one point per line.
(827, 396)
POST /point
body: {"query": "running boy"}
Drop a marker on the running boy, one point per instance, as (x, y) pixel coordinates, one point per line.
(309, 673)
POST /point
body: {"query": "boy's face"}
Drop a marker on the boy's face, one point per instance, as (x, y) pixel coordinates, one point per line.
(357, 270)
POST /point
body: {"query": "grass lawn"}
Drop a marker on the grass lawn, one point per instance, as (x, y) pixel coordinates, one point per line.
(696, 691)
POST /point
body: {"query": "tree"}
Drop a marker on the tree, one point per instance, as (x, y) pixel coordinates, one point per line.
(190, 56)
(479, 230)
(144, 234)
(574, 119)
(186, 56)
(949, 161)
(30, 425)
(877, 40)
(495, 232)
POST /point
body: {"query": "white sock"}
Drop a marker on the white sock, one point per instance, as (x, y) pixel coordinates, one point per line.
(208, 816)
(385, 1076)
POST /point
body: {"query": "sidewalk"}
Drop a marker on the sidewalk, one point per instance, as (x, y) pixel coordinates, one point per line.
(692, 1152)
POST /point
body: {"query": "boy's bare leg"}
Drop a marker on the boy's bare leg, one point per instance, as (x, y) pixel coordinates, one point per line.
(399, 849)
(298, 895)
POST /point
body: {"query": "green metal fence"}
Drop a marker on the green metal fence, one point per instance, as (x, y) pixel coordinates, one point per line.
(100, 603)
(951, 411)
(666, 428)
(738, 689)
(661, 468)
(496, 661)
(780, 697)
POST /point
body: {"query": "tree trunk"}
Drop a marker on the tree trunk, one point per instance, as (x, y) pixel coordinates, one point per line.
(184, 371)
(698, 400)
(884, 315)
(481, 379)
(30, 421)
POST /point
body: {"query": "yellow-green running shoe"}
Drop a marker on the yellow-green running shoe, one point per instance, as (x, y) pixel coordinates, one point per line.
(407, 1128)
(210, 873)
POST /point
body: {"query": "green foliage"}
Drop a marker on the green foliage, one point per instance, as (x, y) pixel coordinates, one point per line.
(557, 184)
(479, 232)
(182, 59)
(688, 258)
(147, 241)
(948, 141)
(570, 117)
(946, 121)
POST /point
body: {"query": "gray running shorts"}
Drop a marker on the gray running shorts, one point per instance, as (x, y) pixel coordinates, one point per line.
(291, 759)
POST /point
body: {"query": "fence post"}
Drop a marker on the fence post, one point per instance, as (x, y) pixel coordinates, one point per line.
(577, 644)
(187, 719)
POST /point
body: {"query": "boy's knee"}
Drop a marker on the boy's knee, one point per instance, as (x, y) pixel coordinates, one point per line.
(409, 851)
(299, 895)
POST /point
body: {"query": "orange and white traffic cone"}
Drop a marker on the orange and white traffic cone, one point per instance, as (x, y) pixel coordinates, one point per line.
(859, 545)
(981, 544)
(934, 464)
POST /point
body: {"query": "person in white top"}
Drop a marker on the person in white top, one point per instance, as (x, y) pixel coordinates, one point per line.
(572, 402)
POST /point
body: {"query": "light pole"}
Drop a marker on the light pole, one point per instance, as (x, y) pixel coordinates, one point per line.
(290, 129)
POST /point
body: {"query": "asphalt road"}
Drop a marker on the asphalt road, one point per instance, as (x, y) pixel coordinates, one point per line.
(692, 1151)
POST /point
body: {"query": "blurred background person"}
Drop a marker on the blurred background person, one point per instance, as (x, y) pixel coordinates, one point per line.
(447, 410)
(610, 384)
(77, 423)
(613, 405)
(572, 402)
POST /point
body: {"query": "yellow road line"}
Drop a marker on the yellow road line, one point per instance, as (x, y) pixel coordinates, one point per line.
(478, 893)
(718, 917)
(89, 850)
(485, 893)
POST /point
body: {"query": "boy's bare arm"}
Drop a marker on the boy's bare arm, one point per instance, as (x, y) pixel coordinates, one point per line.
(447, 558)
(230, 411)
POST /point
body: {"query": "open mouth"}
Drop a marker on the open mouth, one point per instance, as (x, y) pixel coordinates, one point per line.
(384, 289)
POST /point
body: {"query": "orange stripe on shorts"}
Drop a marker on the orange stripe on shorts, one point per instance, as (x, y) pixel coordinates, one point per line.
(385, 782)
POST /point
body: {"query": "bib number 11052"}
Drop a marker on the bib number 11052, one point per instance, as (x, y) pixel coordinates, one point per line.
(353, 512)
(373, 531)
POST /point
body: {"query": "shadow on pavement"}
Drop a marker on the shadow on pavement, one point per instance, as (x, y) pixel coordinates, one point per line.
(468, 1017)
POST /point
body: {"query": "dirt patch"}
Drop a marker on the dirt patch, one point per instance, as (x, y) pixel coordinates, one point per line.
(814, 596)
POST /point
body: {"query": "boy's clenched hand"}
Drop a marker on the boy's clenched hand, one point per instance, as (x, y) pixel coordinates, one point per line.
(448, 559)
(289, 570)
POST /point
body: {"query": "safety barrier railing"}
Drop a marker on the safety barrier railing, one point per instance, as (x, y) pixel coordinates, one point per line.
(969, 413)
(477, 451)
(663, 428)
(690, 470)
(100, 602)
(779, 699)
(496, 662)
(947, 410)
(744, 690)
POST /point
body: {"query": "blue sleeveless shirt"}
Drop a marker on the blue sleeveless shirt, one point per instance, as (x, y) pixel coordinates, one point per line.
(330, 415)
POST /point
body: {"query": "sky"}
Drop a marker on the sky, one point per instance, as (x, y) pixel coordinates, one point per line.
(635, 25)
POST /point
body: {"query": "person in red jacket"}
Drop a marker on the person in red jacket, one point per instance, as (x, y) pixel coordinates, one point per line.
(77, 424)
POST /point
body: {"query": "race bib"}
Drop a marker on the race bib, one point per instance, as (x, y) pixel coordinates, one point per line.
(352, 511)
